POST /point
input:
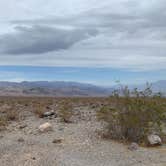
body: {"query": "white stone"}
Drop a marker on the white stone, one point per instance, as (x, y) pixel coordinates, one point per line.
(154, 139)
(45, 127)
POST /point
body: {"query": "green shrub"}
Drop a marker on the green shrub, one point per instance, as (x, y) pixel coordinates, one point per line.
(133, 115)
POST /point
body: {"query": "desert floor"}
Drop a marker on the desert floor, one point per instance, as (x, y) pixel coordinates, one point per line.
(80, 144)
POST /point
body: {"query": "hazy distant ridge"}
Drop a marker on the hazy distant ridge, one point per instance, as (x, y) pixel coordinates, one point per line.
(56, 88)
(62, 88)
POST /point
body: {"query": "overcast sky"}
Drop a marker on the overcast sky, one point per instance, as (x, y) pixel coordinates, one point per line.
(118, 34)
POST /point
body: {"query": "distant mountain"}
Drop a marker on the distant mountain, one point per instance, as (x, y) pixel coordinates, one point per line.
(62, 88)
(56, 88)
(159, 86)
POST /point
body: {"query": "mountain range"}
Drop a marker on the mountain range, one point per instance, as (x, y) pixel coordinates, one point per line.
(61, 88)
(55, 88)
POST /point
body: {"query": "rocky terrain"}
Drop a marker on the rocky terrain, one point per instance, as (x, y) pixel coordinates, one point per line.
(76, 143)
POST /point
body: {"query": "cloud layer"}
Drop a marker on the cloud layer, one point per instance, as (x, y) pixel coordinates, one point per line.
(42, 39)
(120, 34)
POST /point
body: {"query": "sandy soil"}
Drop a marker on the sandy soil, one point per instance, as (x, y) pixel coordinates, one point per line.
(80, 146)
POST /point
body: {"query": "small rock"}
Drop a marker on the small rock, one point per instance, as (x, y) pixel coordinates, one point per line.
(33, 158)
(45, 127)
(20, 139)
(1, 136)
(61, 129)
(154, 140)
(57, 141)
(22, 126)
(48, 114)
(133, 146)
(47, 107)
(93, 106)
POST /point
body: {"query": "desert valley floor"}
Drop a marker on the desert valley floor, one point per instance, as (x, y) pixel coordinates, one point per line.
(69, 144)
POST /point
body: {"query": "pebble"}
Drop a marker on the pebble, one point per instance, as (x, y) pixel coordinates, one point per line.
(57, 141)
(133, 146)
(20, 139)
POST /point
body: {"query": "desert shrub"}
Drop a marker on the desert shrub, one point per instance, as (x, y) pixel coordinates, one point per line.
(12, 115)
(8, 114)
(3, 122)
(39, 109)
(65, 111)
(133, 115)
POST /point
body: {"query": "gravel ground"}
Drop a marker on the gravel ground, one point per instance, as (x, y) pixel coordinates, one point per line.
(80, 146)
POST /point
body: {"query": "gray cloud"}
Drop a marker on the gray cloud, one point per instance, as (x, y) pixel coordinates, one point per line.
(42, 39)
(136, 18)
(109, 33)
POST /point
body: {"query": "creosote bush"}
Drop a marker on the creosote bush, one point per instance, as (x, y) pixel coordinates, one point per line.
(131, 116)
(3, 123)
(65, 111)
(39, 109)
(11, 113)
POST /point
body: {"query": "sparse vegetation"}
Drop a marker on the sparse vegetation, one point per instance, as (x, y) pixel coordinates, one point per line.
(65, 111)
(39, 109)
(7, 114)
(129, 115)
(3, 123)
